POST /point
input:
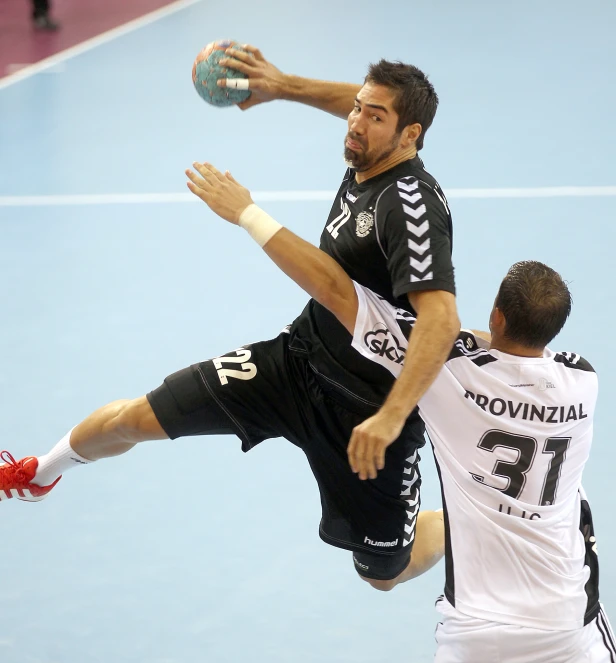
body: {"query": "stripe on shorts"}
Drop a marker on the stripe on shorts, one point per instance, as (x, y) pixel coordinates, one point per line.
(607, 634)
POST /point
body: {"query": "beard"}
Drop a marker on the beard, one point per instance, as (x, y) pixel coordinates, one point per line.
(363, 160)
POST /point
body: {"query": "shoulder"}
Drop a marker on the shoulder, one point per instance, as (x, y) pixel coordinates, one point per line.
(472, 348)
(348, 175)
(573, 361)
(415, 198)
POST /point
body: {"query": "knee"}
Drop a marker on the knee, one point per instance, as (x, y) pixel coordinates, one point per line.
(381, 585)
(134, 420)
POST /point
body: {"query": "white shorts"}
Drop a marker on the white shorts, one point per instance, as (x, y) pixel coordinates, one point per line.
(464, 639)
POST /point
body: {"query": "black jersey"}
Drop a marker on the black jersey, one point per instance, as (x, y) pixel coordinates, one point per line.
(393, 235)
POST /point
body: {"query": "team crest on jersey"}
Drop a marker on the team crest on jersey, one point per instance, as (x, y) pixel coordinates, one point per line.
(364, 223)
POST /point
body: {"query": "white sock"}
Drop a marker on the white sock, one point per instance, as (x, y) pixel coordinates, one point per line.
(60, 459)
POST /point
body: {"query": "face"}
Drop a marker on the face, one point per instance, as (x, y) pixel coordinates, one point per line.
(372, 135)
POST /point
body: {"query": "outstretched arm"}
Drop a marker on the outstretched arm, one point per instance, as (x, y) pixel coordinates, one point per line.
(312, 269)
(267, 83)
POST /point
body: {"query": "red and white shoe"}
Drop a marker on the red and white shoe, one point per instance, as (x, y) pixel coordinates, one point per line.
(16, 479)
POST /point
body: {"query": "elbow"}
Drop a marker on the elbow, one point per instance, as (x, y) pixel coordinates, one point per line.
(332, 297)
(453, 325)
(340, 299)
(438, 311)
(446, 318)
(327, 294)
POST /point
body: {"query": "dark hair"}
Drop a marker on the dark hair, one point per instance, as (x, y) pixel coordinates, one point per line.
(536, 303)
(415, 100)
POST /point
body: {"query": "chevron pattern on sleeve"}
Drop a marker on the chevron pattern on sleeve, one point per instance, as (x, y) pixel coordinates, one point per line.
(418, 227)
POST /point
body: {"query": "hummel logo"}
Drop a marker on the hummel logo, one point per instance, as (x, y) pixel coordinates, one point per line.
(415, 213)
(423, 265)
(408, 187)
(412, 199)
(419, 248)
(381, 544)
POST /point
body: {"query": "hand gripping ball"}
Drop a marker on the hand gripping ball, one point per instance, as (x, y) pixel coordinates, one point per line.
(207, 70)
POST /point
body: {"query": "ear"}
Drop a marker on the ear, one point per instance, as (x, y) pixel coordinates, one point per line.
(410, 135)
(497, 321)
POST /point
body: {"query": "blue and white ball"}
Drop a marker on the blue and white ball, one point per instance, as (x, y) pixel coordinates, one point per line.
(207, 70)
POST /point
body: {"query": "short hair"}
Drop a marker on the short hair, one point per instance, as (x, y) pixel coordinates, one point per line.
(415, 98)
(536, 303)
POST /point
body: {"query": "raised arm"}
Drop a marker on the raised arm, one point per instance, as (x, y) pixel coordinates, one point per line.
(267, 83)
(312, 269)
(435, 330)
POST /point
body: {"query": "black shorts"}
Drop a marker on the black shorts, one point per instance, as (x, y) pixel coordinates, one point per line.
(265, 390)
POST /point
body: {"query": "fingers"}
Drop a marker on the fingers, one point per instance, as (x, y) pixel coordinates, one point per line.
(368, 468)
(253, 84)
(197, 181)
(208, 172)
(236, 65)
(250, 102)
(379, 457)
(197, 191)
(254, 50)
(246, 58)
(204, 184)
(363, 452)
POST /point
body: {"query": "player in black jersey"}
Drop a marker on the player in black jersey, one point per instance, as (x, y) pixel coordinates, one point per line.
(390, 229)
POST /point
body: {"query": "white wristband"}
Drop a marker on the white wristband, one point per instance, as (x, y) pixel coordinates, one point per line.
(258, 224)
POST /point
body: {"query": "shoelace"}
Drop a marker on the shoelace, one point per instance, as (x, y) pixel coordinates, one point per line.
(12, 471)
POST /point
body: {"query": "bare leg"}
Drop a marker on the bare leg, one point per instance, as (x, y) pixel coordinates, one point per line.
(428, 549)
(115, 428)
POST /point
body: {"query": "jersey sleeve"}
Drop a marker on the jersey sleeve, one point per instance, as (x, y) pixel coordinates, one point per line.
(414, 231)
(381, 330)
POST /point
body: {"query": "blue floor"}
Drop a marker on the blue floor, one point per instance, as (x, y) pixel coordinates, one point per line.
(190, 550)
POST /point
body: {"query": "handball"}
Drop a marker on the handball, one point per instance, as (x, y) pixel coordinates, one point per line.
(207, 70)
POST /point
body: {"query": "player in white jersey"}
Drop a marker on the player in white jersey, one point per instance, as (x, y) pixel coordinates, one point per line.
(511, 426)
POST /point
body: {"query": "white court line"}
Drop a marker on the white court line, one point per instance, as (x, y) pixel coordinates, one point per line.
(146, 198)
(291, 196)
(88, 44)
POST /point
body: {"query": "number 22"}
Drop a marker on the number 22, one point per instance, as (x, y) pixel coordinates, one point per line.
(340, 220)
(249, 370)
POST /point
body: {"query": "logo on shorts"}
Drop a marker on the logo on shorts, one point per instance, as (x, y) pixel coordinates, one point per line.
(383, 343)
(364, 223)
(381, 544)
(365, 567)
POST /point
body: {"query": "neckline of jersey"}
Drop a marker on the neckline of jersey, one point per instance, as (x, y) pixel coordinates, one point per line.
(516, 359)
(367, 184)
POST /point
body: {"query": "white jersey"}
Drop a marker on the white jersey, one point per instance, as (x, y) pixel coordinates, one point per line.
(511, 436)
